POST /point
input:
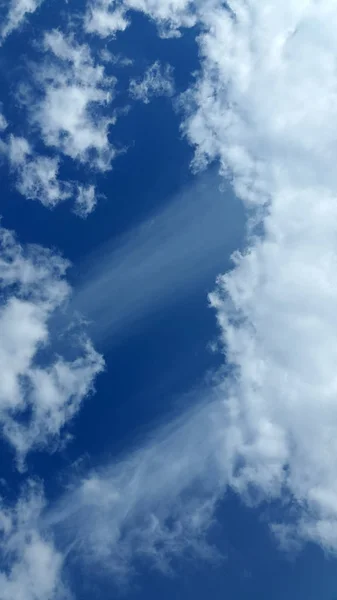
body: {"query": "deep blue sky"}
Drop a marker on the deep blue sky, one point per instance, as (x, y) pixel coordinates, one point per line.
(167, 354)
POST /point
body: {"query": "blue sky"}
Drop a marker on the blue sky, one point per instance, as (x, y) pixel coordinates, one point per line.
(168, 292)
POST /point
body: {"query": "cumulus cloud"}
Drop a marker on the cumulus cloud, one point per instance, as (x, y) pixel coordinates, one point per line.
(157, 81)
(105, 18)
(17, 12)
(74, 93)
(36, 176)
(265, 106)
(33, 568)
(40, 391)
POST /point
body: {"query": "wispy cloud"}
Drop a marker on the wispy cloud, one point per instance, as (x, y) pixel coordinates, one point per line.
(157, 81)
(86, 200)
(31, 566)
(155, 503)
(179, 249)
(18, 10)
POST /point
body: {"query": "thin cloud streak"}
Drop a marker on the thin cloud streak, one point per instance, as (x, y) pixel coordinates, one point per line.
(180, 249)
(157, 502)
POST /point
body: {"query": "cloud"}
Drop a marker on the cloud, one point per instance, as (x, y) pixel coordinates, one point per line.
(74, 93)
(157, 81)
(17, 12)
(265, 107)
(155, 503)
(36, 176)
(169, 16)
(86, 200)
(40, 390)
(180, 248)
(31, 565)
(105, 18)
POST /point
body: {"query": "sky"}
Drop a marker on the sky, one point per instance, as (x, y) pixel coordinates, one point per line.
(168, 292)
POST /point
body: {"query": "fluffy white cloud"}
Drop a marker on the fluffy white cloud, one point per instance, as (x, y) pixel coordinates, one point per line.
(75, 91)
(36, 176)
(17, 11)
(105, 18)
(33, 567)
(265, 105)
(40, 390)
(157, 81)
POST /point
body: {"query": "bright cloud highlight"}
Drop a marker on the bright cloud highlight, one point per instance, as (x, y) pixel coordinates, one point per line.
(40, 391)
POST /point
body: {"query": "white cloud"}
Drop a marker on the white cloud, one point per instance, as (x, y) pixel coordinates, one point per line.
(265, 105)
(169, 16)
(40, 391)
(3, 123)
(17, 12)
(36, 176)
(157, 81)
(105, 18)
(155, 503)
(180, 248)
(86, 200)
(33, 568)
(75, 93)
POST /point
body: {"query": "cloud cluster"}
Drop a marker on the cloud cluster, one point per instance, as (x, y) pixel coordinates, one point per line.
(105, 18)
(72, 87)
(36, 176)
(40, 390)
(265, 106)
(31, 565)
